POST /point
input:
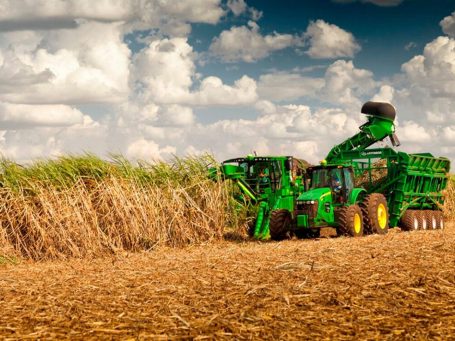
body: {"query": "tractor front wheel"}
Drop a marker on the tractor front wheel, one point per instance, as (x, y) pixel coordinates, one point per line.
(350, 221)
(375, 213)
(280, 223)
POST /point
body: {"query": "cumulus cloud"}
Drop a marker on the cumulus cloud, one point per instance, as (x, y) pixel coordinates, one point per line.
(279, 86)
(237, 6)
(342, 85)
(143, 149)
(16, 116)
(329, 41)
(426, 86)
(65, 66)
(448, 25)
(168, 16)
(385, 94)
(346, 85)
(157, 80)
(246, 43)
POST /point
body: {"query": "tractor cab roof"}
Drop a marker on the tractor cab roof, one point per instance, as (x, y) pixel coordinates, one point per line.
(257, 159)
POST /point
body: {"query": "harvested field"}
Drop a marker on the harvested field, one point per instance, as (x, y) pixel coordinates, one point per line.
(397, 286)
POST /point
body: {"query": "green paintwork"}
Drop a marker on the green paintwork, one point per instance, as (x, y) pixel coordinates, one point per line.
(412, 181)
(267, 182)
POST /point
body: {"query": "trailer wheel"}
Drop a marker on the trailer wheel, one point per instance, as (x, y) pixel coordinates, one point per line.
(422, 220)
(409, 221)
(350, 221)
(375, 213)
(439, 220)
(280, 222)
(432, 220)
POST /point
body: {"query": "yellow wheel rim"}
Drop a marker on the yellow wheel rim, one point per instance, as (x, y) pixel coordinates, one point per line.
(382, 216)
(357, 223)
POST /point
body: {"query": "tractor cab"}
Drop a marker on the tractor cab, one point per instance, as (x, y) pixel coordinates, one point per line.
(329, 187)
(339, 179)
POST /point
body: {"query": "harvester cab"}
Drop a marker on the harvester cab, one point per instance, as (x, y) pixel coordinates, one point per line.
(271, 184)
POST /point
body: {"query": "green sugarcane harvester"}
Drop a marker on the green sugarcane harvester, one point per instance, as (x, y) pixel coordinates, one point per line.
(409, 190)
(271, 184)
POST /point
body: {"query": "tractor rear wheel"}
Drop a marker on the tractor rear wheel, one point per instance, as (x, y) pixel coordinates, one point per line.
(375, 214)
(350, 221)
(280, 223)
(409, 221)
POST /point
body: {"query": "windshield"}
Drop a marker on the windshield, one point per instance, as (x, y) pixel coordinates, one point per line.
(324, 177)
(262, 174)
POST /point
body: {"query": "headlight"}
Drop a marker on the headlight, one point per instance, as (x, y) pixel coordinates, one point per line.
(312, 202)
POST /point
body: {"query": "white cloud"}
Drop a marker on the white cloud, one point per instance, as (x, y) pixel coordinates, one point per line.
(168, 16)
(448, 25)
(247, 44)
(346, 85)
(158, 81)
(65, 66)
(143, 149)
(413, 132)
(280, 86)
(329, 41)
(385, 94)
(237, 6)
(15, 116)
(212, 91)
(343, 85)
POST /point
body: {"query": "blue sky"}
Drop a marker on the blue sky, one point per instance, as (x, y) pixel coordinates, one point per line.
(383, 32)
(151, 78)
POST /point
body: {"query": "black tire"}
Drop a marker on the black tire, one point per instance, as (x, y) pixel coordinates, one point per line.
(432, 220)
(439, 220)
(280, 223)
(409, 221)
(350, 221)
(422, 219)
(375, 214)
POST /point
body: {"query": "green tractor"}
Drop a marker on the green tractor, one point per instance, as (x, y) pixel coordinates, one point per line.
(270, 184)
(409, 189)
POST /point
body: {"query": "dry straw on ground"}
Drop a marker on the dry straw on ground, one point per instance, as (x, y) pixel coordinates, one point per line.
(78, 207)
(449, 204)
(400, 286)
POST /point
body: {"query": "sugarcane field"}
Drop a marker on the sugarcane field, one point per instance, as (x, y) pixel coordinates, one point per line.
(227, 170)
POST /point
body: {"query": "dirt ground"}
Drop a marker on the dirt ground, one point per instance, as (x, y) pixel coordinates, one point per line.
(398, 286)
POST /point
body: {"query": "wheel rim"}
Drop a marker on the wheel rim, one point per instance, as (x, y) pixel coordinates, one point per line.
(382, 216)
(357, 223)
(416, 224)
(434, 223)
(424, 224)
